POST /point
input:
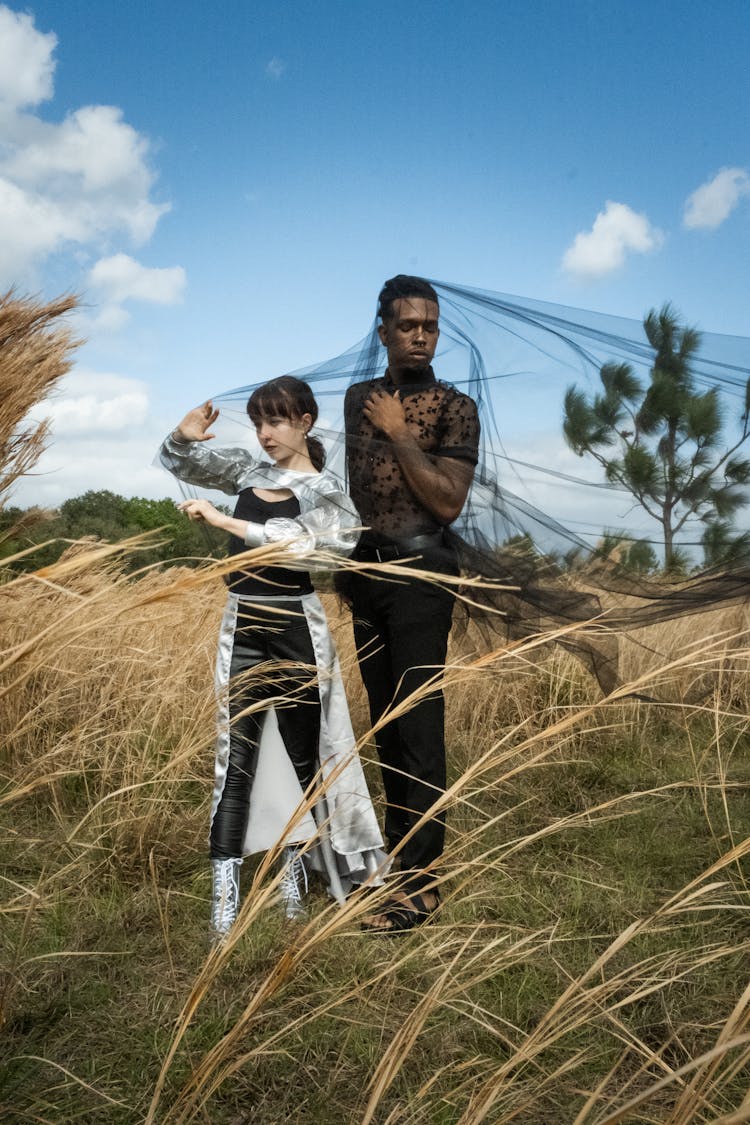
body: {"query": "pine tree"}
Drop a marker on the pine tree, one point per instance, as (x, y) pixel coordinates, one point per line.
(665, 443)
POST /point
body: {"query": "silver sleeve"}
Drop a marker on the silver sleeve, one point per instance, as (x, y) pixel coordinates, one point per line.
(332, 525)
(255, 534)
(195, 463)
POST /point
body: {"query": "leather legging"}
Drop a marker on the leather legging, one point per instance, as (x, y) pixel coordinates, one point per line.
(272, 657)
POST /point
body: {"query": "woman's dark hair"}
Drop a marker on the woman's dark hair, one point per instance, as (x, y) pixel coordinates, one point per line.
(403, 285)
(287, 397)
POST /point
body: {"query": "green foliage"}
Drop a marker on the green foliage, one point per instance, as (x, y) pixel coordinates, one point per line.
(665, 443)
(11, 531)
(522, 543)
(721, 546)
(634, 556)
(108, 516)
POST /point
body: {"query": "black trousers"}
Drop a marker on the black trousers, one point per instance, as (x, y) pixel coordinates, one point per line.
(401, 632)
(272, 656)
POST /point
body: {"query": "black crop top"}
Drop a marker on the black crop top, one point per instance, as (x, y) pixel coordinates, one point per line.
(271, 581)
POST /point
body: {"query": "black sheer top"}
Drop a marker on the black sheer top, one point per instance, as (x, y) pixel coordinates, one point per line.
(443, 421)
(269, 581)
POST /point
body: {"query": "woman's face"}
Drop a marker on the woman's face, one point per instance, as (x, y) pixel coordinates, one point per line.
(283, 439)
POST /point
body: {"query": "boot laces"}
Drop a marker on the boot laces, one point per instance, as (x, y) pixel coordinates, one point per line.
(293, 885)
(226, 894)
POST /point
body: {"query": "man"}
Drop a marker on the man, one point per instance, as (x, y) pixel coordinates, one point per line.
(412, 444)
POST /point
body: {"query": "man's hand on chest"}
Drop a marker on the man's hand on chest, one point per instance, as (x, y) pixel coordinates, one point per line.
(386, 413)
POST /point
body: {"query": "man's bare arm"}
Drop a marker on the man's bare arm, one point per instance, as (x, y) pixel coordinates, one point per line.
(440, 484)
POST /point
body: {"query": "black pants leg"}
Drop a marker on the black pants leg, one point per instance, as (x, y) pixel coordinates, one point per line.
(373, 652)
(401, 631)
(272, 656)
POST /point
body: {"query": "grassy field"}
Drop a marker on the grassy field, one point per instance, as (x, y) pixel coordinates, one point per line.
(590, 964)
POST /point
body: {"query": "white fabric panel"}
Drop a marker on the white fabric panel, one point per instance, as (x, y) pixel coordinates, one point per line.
(349, 846)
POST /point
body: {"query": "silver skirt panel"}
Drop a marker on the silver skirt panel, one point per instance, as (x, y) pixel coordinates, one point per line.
(347, 844)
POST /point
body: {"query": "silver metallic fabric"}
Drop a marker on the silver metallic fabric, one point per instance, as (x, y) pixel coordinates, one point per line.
(255, 534)
(328, 519)
(347, 845)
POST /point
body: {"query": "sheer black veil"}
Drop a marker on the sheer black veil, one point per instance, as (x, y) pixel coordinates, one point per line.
(515, 357)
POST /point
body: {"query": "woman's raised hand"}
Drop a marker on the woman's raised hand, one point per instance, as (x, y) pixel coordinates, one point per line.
(196, 424)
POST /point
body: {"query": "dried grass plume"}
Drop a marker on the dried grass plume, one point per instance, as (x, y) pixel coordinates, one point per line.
(36, 347)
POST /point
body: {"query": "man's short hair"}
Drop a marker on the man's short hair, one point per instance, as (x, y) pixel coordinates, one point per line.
(403, 285)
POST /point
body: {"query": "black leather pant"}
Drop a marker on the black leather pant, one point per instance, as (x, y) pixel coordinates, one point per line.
(272, 656)
(401, 633)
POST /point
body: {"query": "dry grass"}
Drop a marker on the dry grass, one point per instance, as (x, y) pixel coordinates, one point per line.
(35, 352)
(529, 1000)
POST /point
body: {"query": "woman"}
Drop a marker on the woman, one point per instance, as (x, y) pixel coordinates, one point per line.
(298, 725)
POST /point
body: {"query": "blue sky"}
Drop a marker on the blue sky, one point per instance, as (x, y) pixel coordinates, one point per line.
(261, 169)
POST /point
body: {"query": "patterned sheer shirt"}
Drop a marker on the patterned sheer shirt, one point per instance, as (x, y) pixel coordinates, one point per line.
(444, 423)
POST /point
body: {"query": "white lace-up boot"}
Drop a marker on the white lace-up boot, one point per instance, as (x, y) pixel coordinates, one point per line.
(225, 898)
(293, 885)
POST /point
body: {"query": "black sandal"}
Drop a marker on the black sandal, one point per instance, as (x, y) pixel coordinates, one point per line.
(402, 917)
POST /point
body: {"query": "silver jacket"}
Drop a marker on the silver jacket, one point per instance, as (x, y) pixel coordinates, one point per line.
(327, 521)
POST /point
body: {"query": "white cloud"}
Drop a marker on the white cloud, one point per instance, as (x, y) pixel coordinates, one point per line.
(108, 318)
(92, 403)
(26, 63)
(713, 202)
(121, 278)
(617, 231)
(104, 435)
(31, 226)
(275, 67)
(71, 184)
(72, 467)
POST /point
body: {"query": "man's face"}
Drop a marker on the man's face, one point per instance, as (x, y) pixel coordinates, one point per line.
(411, 333)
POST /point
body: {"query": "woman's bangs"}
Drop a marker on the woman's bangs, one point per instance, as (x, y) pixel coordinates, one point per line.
(270, 402)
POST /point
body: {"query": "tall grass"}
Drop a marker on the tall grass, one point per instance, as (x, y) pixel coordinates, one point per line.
(589, 964)
(590, 954)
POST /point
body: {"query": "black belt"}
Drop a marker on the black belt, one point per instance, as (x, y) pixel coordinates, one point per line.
(398, 548)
